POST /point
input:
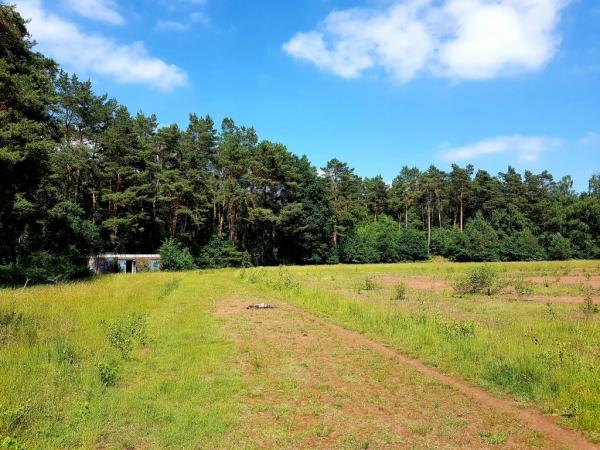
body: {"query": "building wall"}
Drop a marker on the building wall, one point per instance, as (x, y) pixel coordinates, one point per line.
(102, 264)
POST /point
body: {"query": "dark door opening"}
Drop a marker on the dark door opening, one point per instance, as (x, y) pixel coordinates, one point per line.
(129, 266)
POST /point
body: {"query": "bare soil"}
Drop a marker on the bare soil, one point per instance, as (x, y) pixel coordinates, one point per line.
(311, 384)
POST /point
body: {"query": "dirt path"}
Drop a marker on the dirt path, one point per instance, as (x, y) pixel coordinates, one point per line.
(312, 384)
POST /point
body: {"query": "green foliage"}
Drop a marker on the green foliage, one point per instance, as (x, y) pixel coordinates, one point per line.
(79, 174)
(10, 443)
(399, 291)
(220, 252)
(479, 280)
(369, 284)
(123, 333)
(174, 257)
(383, 241)
(168, 288)
(521, 246)
(588, 306)
(107, 372)
(559, 247)
(480, 242)
(447, 242)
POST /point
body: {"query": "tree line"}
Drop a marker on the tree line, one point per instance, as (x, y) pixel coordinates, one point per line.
(80, 174)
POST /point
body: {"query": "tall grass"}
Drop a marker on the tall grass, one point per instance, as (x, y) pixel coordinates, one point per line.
(119, 362)
(551, 362)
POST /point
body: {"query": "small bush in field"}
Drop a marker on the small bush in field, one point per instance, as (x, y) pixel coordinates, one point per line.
(480, 280)
(121, 334)
(370, 284)
(522, 288)
(107, 373)
(589, 307)
(9, 443)
(399, 291)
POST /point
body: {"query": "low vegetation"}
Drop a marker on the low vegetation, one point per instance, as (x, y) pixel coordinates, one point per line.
(148, 359)
(543, 355)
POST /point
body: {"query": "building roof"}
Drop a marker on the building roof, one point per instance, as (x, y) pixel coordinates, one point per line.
(128, 256)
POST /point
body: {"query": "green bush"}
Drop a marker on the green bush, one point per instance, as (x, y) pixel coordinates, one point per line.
(123, 333)
(383, 241)
(399, 291)
(521, 246)
(559, 247)
(174, 257)
(480, 280)
(446, 242)
(220, 252)
(480, 242)
(107, 372)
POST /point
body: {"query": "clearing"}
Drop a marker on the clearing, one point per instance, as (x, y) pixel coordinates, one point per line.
(177, 360)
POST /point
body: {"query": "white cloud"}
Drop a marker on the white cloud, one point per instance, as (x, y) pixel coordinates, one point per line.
(459, 39)
(525, 148)
(590, 139)
(171, 25)
(84, 52)
(197, 17)
(101, 10)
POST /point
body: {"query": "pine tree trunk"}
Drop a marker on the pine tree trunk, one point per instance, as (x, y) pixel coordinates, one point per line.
(461, 212)
(428, 227)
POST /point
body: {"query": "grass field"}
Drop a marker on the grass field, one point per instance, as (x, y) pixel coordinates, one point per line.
(175, 360)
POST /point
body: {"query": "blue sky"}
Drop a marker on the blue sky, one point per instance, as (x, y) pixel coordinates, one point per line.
(376, 83)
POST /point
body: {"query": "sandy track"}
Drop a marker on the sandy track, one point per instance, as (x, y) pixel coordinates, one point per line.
(314, 384)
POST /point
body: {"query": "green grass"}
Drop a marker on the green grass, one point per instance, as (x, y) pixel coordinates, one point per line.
(131, 361)
(547, 357)
(175, 390)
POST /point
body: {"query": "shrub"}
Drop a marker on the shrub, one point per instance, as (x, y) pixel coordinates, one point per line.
(521, 246)
(399, 291)
(107, 372)
(522, 288)
(446, 242)
(383, 241)
(589, 307)
(9, 443)
(121, 334)
(220, 252)
(559, 247)
(368, 284)
(480, 242)
(481, 279)
(175, 257)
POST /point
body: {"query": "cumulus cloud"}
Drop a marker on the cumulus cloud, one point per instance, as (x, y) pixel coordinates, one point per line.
(459, 39)
(101, 10)
(84, 52)
(526, 148)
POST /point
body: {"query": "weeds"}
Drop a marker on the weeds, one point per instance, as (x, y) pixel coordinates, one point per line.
(399, 291)
(122, 334)
(368, 284)
(107, 372)
(480, 280)
(494, 437)
(588, 307)
(168, 288)
(522, 288)
(9, 443)
(63, 352)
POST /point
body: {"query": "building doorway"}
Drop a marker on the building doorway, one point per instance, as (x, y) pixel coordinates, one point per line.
(130, 266)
